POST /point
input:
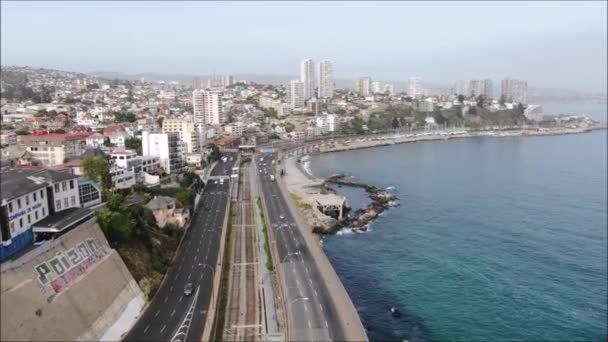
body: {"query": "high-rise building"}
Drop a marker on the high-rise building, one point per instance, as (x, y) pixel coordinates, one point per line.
(296, 94)
(307, 76)
(460, 88)
(475, 88)
(488, 89)
(376, 88)
(228, 80)
(185, 129)
(364, 86)
(389, 89)
(514, 90)
(197, 83)
(167, 146)
(325, 79)
(414, 86)
(207, 107)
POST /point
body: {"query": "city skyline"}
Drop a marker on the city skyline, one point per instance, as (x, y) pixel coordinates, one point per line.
(500, 50)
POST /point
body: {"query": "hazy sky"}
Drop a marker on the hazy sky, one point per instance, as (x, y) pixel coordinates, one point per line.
(552, 44)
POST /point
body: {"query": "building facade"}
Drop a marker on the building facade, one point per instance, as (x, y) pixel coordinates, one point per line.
(186, 132)
(307, 77)
(414, 87)
(514, 90)
(167, 147)
(207, 106)
(364, 86)
(296, 94)
(53, 149)
(325, 80)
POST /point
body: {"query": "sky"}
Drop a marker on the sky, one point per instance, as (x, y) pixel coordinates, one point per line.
(550, 44)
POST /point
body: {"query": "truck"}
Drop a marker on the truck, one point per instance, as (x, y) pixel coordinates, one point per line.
(272, 178)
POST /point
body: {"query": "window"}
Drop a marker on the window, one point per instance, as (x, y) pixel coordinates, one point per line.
(73, 200)
(19, 203)
(13, 227)
(58, 204)
(43, 212)
(27, 200)
(36, 214)
(71, 184)
(41, 194)
(35, 198)
(21, 222)
(10, 207)
(29, 220)
(65, 202)
(64, 186)
(57, 187)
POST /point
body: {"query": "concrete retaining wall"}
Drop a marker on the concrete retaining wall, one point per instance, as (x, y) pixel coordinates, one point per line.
(76, 288)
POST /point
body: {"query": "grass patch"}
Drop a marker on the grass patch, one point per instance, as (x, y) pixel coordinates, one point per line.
(299, 202)
(269, 264)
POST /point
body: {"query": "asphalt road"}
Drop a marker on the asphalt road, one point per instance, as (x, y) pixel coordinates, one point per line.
(311, 316)
(173, 316)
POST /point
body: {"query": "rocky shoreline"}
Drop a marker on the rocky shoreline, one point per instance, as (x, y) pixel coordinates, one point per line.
(381, 200)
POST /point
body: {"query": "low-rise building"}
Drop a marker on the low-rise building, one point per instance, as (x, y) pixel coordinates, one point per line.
(166, 212)
(8, 138)
(53, 149)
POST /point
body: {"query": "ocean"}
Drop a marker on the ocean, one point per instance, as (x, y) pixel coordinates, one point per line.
(495, 239)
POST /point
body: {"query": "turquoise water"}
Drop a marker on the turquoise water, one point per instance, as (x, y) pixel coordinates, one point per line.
(495, 239)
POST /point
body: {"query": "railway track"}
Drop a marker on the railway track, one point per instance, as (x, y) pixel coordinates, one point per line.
(244, 312)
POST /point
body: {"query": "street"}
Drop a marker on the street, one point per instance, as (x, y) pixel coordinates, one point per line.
(172, 316)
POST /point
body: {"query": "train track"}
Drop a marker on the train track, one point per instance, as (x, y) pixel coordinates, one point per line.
(244, 311)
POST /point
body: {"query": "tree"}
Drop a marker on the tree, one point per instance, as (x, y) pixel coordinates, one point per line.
(113, 200)
(22, 131)
(289, 127)
(480, 101)
(97, 170)
(107, 142)
(395, 122)
(461, 98)
(124, 117)
(183, 196)
(133, 143)
(503, 100)
(116, 225)
(59, 131)
(160, 121)
(215, 153)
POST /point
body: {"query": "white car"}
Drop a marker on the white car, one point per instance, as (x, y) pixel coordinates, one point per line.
(282, 217)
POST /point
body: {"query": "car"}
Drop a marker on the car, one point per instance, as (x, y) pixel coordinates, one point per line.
(282, 217)
(188, 289)
(215, 182)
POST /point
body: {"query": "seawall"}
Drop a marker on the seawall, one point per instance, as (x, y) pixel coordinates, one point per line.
(75, 288)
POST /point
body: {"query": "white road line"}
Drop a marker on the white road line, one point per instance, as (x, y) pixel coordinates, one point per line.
(189, 275)
(305, 307)
(173, 313)
(180, 299)
(157, 312)
(171, 288)
(326, 325)
(163, 328)
(316, 294)
(308, 324)
(321, 306)
(166, 299)
(146, 329)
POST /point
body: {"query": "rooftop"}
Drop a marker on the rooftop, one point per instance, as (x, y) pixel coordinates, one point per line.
(18, 182)
(160, 202)
(63, 220)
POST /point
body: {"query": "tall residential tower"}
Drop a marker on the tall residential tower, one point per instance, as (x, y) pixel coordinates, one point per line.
(307, 76)
(325, 79)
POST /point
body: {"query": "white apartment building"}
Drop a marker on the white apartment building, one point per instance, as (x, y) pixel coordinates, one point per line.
(166, 146)
(364, 86)
(186, 132)
(307, 77)
(515, 90)
(414, 87)
(122, 178)
(28, 197)
(296, 94)
(376, 88)
(207, 107)
(327, 123)
(53, 149)
(325, 80)
(389, 89)
(235, 128)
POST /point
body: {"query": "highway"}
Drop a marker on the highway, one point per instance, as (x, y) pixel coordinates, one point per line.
(173, 316)
(311, 314)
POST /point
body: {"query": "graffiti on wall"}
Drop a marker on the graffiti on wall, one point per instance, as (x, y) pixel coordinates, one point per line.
(58, 273)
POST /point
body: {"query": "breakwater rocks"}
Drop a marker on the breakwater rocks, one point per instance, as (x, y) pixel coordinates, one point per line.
(359, 220)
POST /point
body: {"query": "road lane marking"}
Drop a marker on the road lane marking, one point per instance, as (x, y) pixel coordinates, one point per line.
(163, 328)
(180, 299)
(173, 313)
(321, 306)
(171, 288)
(305, 307)
(326, 325)
(157, 312)
(166, 298)
(189, 275)
(146, 329)
(308, 324)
